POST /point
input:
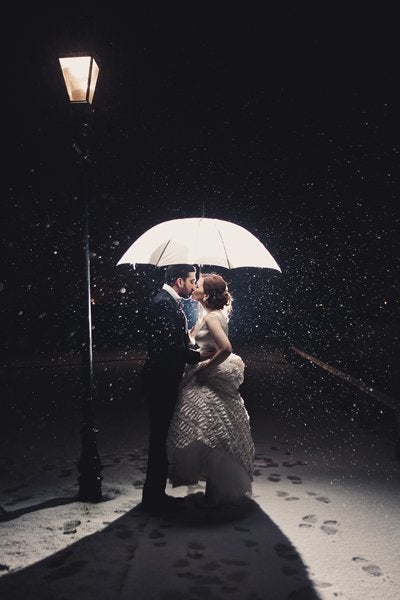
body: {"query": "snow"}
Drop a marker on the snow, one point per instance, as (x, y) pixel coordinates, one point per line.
(324, 521)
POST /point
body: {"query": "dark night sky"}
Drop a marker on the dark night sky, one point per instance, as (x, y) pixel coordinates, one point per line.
(282, 119)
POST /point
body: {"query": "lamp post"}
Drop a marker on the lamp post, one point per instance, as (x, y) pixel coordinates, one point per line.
(80, 76)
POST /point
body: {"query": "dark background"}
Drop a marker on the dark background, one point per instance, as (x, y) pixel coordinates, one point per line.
(283, 119)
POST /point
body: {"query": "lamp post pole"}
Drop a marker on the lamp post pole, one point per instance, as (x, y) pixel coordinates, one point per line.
(80, 76)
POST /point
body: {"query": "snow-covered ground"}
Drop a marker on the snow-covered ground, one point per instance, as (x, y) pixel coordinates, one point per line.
(324, 521)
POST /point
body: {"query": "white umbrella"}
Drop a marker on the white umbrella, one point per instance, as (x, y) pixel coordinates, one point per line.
(199, 241)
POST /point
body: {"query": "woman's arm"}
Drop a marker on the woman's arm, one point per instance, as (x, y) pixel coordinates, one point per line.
(222, 342)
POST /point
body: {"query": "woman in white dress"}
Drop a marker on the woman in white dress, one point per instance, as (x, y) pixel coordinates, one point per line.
(209, 438)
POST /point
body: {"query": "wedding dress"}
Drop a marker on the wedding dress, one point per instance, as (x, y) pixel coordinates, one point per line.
(209, 437)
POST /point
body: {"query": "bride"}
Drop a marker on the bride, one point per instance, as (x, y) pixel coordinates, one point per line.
(209, 437)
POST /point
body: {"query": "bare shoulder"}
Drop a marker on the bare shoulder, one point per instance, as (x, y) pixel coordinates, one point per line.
(214, 317)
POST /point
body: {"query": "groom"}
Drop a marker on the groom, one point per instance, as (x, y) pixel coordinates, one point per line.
(168, 351)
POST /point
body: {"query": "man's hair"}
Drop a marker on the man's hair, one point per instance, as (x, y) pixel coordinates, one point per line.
(174, 272)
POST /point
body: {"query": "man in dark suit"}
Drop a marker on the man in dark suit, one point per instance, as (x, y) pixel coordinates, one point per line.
(168, 351)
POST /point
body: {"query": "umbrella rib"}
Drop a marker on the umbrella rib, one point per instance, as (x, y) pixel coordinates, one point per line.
(163, 252)
(224, 247)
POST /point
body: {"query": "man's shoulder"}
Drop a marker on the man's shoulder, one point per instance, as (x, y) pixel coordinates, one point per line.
(162, 297)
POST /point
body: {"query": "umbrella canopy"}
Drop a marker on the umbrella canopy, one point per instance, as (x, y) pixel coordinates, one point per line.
(199, 241)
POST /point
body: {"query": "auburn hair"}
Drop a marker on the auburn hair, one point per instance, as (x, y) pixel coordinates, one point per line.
(216, 290)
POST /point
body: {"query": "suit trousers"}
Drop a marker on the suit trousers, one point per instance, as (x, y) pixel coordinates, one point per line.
(161, 397)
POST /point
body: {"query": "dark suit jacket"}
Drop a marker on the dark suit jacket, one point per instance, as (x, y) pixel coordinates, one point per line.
(167, 343)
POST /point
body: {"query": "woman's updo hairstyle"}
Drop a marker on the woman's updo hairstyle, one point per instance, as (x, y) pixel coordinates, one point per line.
(216, 295)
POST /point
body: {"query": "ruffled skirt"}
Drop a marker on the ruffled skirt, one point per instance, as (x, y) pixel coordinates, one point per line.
(210, 438)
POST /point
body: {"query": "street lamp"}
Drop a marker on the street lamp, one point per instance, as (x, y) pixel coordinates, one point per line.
(80, 76)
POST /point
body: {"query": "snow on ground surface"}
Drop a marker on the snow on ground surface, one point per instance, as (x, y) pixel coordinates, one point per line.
(324, 521)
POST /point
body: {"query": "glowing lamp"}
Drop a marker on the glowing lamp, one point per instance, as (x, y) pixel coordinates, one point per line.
(80, 76)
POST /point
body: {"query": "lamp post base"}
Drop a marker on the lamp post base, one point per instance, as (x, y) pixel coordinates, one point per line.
(89, 467)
